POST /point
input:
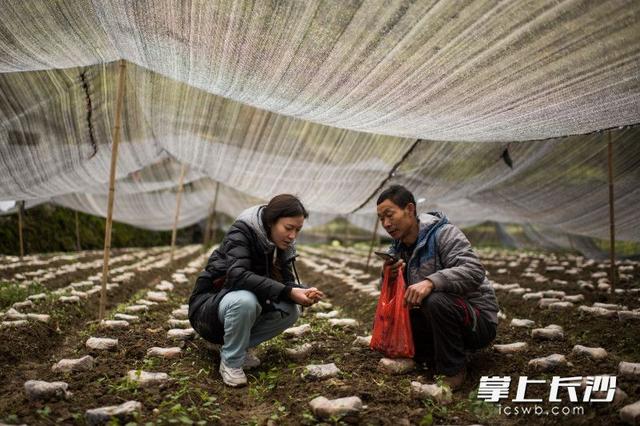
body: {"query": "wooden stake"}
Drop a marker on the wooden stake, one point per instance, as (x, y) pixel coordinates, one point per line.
(212, 214)
(20, 205)
(374, 238)
(112, 178)
(207, 229)
(175, 220)
(347, 231)
(78, 247)
(612, 229)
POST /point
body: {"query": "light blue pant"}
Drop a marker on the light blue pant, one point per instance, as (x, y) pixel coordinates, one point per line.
(245, 326)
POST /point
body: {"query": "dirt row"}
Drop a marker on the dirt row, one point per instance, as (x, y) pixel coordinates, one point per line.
(119, 257)
(35, 344)
(8, 270)
(277, 394)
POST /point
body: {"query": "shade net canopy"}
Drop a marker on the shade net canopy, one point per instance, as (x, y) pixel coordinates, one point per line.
(329, 100)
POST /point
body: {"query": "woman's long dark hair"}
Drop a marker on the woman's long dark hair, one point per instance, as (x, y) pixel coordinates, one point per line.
(283, 205)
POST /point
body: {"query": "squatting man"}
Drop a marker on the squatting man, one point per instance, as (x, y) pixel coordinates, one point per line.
(453, 307)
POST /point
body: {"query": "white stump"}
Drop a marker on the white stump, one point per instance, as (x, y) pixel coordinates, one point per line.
(324, 408)
(68, 365)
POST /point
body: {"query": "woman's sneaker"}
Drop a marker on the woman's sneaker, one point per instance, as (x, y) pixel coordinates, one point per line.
(232, 376)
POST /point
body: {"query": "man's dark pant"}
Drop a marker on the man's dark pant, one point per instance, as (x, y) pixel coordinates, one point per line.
(443, 328)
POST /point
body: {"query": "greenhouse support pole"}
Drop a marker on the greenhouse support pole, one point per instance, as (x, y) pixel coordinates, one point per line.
(207, 229)
(20, 205)
(612, 226)
(174, 233)
(112, 178)
(212, 213)
(347, 231)
(374, 237)
(78, 247)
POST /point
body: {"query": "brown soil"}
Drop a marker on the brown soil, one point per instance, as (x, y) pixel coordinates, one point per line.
(276, 392)
(39, 341)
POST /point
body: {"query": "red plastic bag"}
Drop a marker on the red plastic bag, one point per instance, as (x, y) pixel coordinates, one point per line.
(391, 326)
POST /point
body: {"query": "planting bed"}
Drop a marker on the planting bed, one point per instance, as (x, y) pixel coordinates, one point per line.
(281, 388)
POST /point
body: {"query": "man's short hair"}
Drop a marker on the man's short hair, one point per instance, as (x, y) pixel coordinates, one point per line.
(399, 195)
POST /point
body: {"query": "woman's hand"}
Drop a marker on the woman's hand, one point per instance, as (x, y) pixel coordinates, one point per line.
(314, 294)
(306, 296)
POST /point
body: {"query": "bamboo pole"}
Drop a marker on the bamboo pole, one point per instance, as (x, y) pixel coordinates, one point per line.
(112, 178)
(78, 247)
(612, 229)
(374, 238)
(212, 213)
(174, 233)
(207, 229)
(20, 205)
(347, 231)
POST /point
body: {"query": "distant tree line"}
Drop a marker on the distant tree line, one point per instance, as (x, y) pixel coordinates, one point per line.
(49, 228)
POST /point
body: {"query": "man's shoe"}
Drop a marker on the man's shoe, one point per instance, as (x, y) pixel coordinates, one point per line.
(456, 381)
(251, 360)
(232, 376)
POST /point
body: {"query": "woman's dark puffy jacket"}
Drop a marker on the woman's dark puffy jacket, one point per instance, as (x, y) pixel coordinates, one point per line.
(243, 261)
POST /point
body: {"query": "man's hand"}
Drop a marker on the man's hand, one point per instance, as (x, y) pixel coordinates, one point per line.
(393, 272)
(306, 296)
(415, 293)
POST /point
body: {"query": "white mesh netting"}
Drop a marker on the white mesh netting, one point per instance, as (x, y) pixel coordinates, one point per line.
(325, 100)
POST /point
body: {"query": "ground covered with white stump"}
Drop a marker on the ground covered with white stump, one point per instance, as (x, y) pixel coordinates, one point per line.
(144, 363)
